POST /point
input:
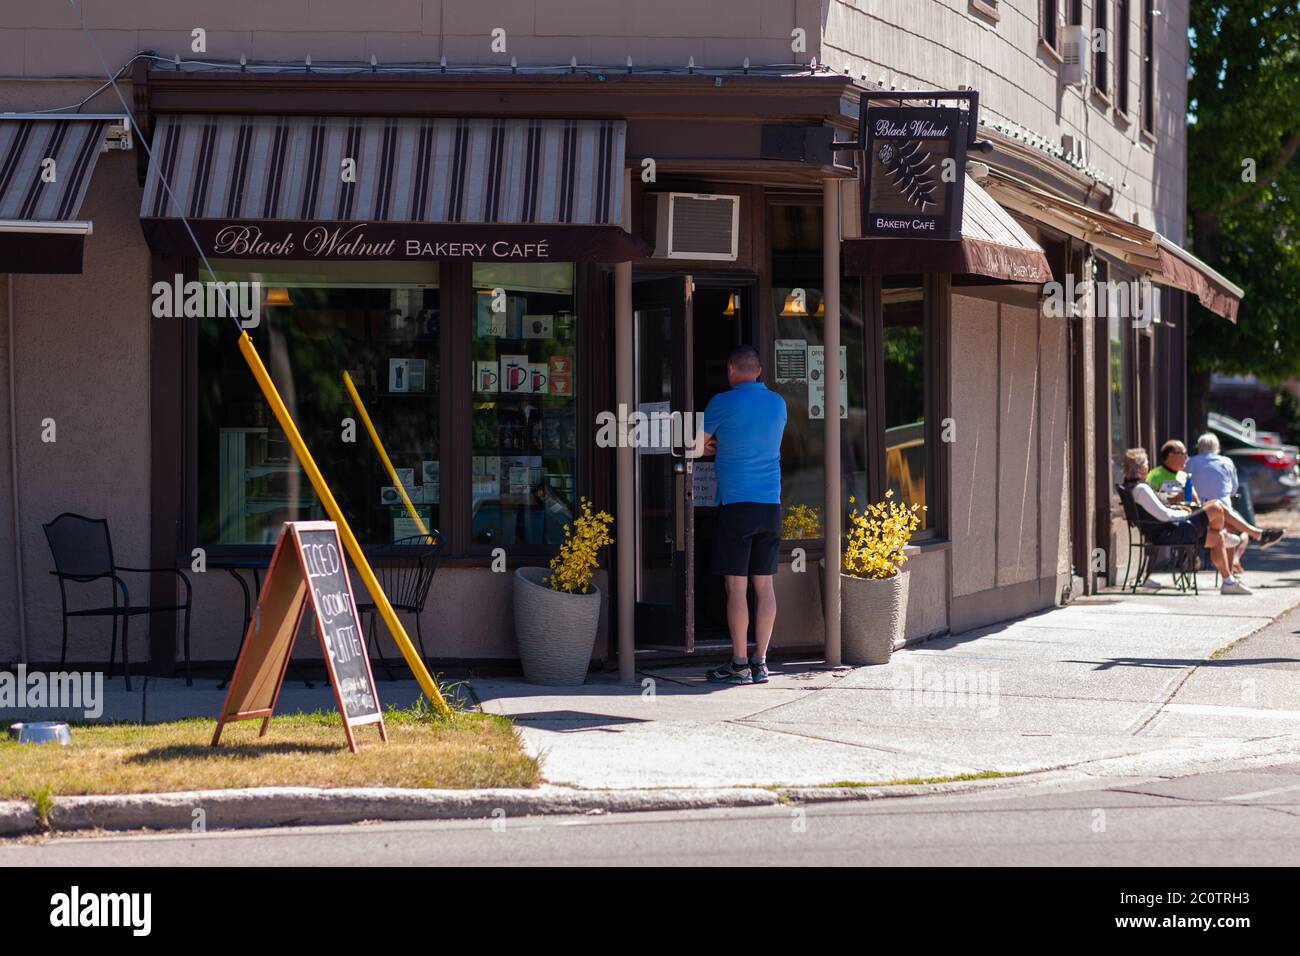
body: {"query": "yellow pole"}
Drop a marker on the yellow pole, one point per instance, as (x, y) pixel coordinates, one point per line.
(383, 455)
(345, 532)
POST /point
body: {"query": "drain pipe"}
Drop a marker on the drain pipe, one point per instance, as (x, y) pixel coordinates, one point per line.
(19, 578)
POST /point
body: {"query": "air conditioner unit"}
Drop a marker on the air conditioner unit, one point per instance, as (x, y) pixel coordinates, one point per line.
(1075, 47)
(697, 226)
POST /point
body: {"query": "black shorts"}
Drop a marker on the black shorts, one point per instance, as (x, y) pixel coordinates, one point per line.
(748, 539)
(1182, 531)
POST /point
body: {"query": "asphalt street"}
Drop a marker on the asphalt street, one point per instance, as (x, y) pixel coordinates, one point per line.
(1240, 817)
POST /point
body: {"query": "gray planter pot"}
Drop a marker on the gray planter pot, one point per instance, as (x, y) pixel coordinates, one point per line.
(873, 617)
(556, 631)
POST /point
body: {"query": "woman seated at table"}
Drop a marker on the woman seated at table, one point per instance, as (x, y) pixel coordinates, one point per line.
(1204, 527)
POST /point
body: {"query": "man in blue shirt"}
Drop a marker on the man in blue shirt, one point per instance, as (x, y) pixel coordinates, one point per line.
(744, 426)
(1214, 476)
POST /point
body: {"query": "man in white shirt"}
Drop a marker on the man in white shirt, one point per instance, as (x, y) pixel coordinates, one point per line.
(1204, 528)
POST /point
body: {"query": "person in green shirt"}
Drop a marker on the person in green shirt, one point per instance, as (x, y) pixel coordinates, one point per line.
(1169, 476)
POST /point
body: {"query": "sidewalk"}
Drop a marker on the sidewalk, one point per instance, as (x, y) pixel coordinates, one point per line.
(1117, 678)
(1111, 676)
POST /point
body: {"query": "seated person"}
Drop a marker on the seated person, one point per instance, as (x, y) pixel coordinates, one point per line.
(1204, 528)
(1168, 477)
(1214, 476)
(1169, 482)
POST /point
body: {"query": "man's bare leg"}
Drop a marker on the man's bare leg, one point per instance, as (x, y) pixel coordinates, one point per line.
(1226, 517)
(738, 614)
(1218, 553)
(764, 612)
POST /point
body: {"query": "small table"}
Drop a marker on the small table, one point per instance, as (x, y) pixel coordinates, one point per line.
(233, 567)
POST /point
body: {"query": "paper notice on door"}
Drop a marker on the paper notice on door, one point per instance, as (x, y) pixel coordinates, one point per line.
(704, 484)
(791, 361)
(652, 435)
(817, 382)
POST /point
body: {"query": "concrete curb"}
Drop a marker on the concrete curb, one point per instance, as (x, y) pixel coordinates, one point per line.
(306, 806)
(314, 806)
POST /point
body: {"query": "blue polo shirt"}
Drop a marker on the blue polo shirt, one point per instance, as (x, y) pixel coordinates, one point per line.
(748, 422)
(1213, 476)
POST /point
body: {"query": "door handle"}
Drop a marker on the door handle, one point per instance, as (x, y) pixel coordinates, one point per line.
(679, 480)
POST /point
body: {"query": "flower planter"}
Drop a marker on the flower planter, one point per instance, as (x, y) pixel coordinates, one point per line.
(873, 617)
(555, 631)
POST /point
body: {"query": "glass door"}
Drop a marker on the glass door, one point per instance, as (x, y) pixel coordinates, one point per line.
(665, 528)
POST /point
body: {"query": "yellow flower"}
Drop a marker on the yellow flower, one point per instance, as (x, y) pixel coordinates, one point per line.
(877, 536)
(573, 568)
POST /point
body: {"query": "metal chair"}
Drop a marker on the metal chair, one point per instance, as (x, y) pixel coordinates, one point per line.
(83, 552)
(1186, 560)
(405, 571)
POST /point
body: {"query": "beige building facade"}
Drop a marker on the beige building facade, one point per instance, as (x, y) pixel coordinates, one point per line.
(964, 392)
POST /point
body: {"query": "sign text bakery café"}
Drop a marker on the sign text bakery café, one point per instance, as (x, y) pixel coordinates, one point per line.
(361, 240)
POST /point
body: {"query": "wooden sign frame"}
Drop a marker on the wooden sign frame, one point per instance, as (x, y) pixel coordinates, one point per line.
(264, 658)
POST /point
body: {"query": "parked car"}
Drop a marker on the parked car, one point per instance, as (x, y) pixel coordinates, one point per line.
(1269, 467)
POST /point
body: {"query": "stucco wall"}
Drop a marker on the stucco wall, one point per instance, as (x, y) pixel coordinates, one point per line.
(941, 44)
(1009, 518)
(81, 345)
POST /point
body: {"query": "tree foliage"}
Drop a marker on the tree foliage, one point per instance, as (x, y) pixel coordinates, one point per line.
(1244, 116)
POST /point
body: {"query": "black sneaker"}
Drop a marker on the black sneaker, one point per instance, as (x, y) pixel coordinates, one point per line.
(1270, 537)
(731, 673)
(758, 670)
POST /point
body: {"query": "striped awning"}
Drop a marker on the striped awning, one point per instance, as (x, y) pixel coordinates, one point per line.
(1150, 254)
(993, 246)
(45, 169)
(338, 187)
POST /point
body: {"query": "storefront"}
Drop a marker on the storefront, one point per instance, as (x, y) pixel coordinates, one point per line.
(464, 270)
(495, 261)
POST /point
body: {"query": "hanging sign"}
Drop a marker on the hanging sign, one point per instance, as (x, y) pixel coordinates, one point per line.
(915, 171)
(307, 575)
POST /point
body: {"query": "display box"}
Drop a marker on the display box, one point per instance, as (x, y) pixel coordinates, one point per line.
(406, 375)
(537, 326)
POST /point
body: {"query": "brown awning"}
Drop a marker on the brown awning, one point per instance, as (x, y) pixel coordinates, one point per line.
(1153, 256)
(993, 246)
(1185, 271)
(363, 187)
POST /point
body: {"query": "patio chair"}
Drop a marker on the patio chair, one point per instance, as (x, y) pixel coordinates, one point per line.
(83, 553)
(1186, 560)
(405, 571)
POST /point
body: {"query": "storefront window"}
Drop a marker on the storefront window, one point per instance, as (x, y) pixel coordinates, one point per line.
(905, 347)
(378, 322)
(799, 320)
(524, 422)
(1119, 358)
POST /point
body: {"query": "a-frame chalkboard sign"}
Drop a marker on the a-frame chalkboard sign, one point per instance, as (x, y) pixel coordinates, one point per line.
(307, 572)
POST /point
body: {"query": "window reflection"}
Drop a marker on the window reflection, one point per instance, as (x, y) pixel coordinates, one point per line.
(524, 426)
(380, 323)
(905, 345)
(799, 321)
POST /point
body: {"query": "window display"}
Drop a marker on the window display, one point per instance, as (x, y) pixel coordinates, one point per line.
(907, 452)
(524, 428)
(377, 321)
(799, 321)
